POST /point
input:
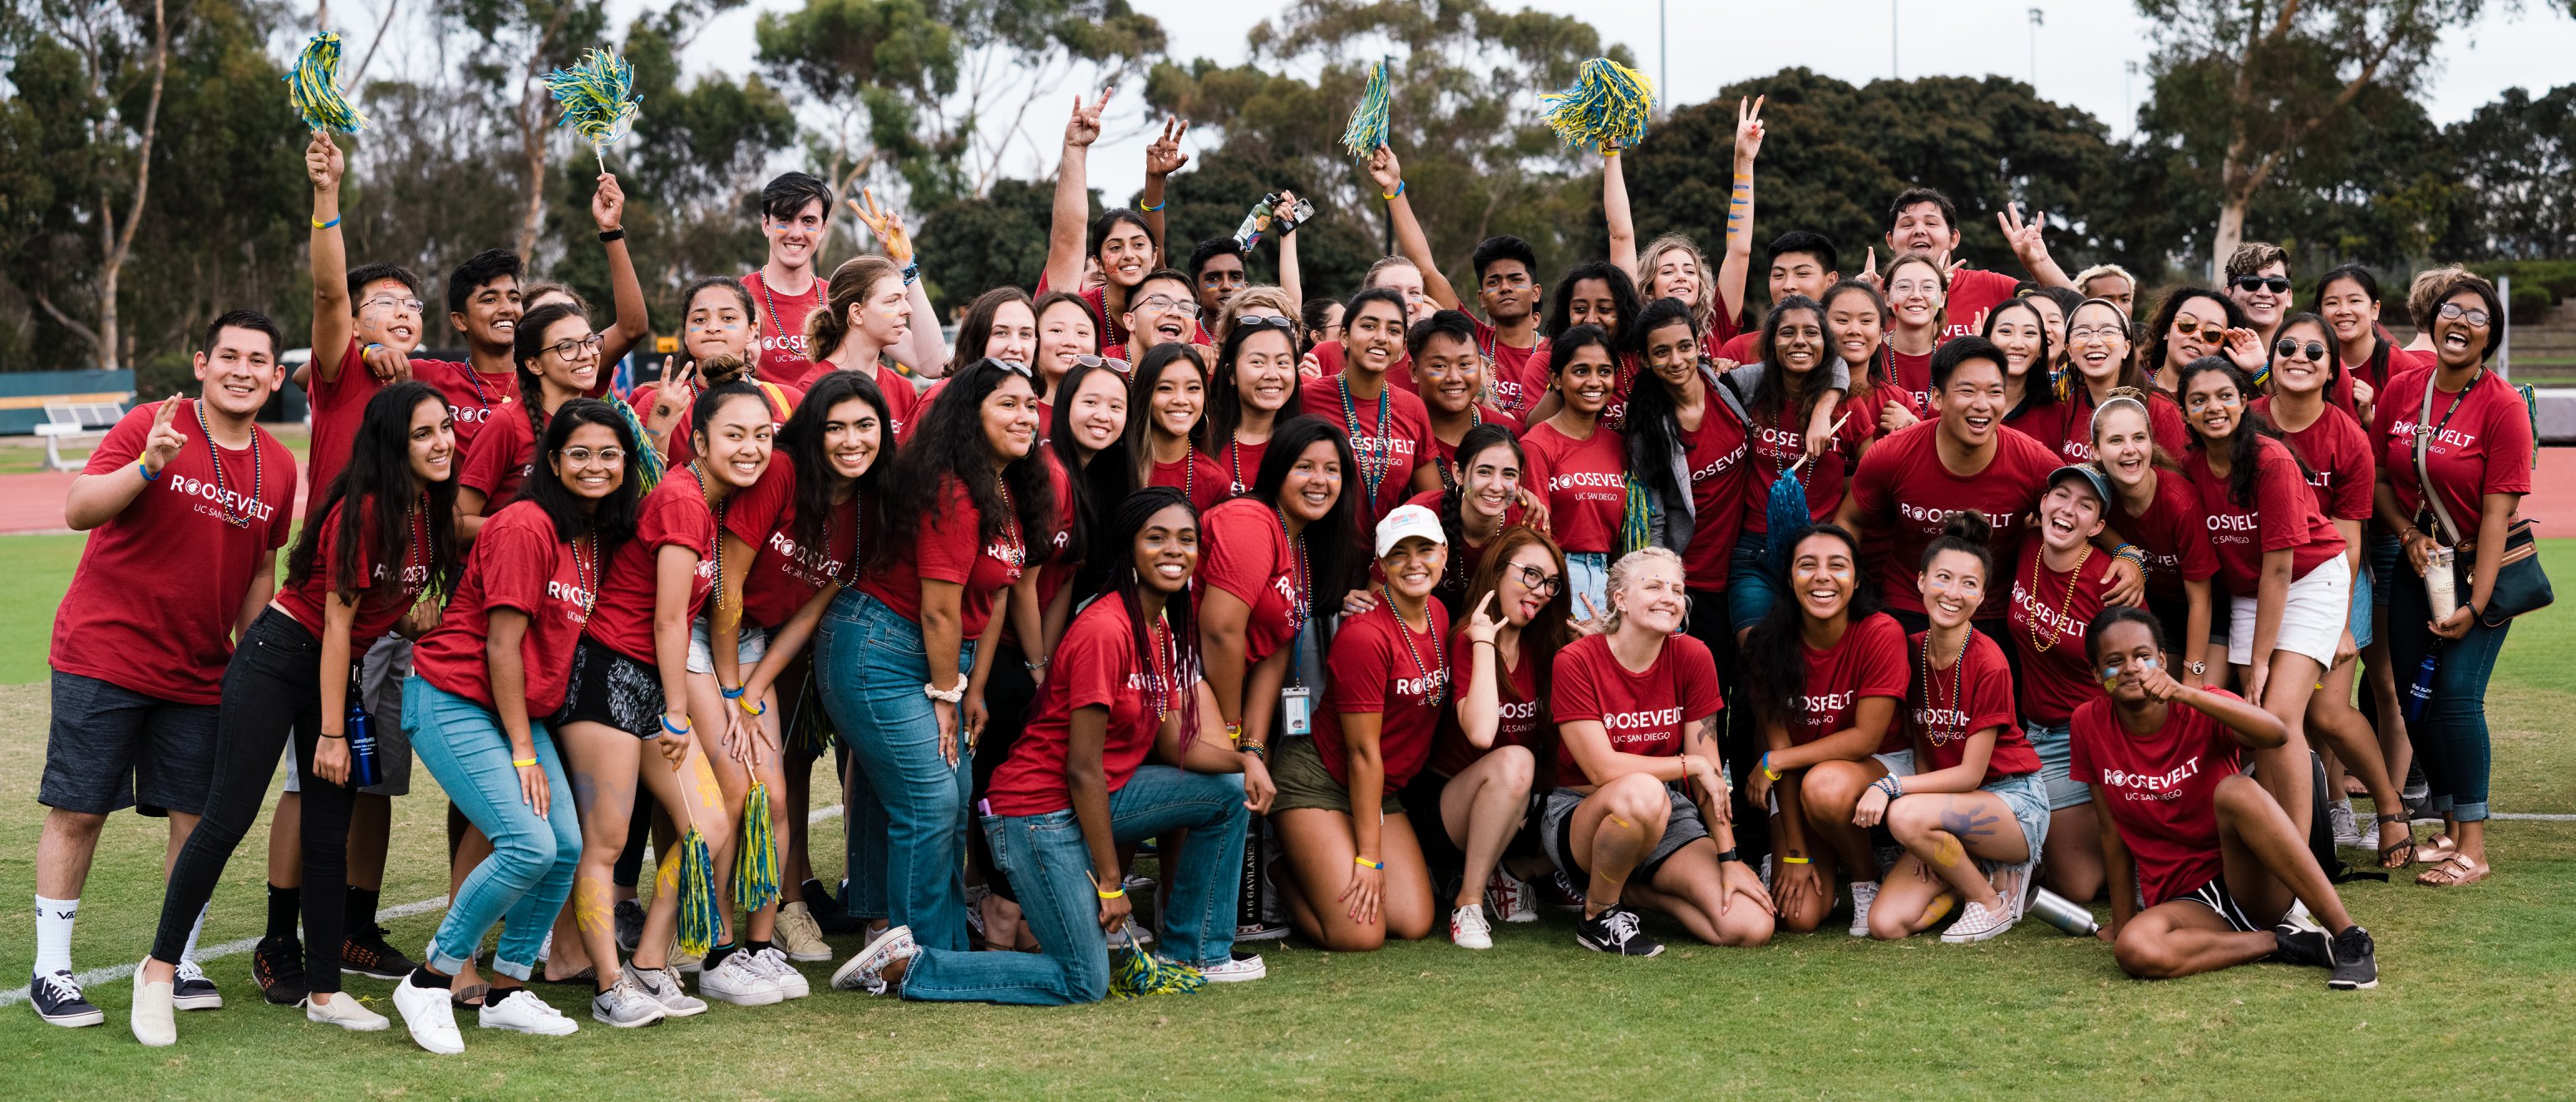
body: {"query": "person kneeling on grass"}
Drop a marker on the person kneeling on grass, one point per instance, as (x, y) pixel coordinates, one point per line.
(1078, 783)
(1979, 793)
(2218, 859)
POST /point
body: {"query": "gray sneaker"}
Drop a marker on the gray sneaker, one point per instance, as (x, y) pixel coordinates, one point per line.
(626, 1005)
(2347, 831)
(664, 988)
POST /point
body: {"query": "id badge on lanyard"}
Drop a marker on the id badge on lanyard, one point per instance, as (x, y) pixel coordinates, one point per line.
(1296, 701)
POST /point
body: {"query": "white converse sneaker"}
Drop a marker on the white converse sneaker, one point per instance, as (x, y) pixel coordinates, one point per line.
(664, 988)
(153, 1018)
(519, 1010)
(430, 1017)
(1512, 898)
(866, 971)
(1864, 892)
(791, 982)
(1468, 929)
(800, 935)
(344, 1010)
(741, 981)
(1976, 923)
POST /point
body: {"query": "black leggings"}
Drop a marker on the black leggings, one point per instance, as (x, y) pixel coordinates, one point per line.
(272, 688)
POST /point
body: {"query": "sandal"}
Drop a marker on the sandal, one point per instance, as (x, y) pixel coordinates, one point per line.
(471, 998)
(2396, 855)
(2457, 871)
(2436, 849)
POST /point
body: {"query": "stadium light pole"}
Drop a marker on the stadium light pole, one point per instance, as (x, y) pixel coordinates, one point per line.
(2035, 21)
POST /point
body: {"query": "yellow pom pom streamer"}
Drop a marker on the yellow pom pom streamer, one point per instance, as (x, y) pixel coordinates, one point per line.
(755, 863)
(313, 86)
(690, 870)
(1367, 130)
(1607, 107)
(598, 98)
(1135, 973)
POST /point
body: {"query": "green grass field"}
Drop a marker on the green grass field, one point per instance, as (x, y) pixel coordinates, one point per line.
(2472, 1003)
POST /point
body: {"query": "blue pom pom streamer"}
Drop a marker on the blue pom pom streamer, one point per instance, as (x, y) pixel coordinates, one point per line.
(755, 864)
(313, 86)
(598, 98)
(1367, 130)
(1607, 107)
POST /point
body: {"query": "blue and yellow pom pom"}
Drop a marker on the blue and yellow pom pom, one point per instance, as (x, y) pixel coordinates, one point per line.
(690, 870)
(598, 97)
(313, 86)
(1607, 107)
(755, 863)
(1135, 973)
(1367, 130)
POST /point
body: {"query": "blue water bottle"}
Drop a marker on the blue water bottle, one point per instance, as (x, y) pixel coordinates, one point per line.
(2422, 689)
(362, 741)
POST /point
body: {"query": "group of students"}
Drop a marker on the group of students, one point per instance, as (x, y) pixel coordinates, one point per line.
(1609, 605)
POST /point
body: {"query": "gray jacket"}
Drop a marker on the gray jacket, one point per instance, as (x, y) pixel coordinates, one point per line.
(1671, 517)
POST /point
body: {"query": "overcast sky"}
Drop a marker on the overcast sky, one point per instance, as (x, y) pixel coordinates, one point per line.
(2083, 49)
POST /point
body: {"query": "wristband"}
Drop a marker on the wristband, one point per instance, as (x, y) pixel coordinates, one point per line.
(1034, 667)
(734, 693)
(911, 273)
(1498, 648)
(1793, 860)
(341, 735)
(1365, 863)
(522, 763)
(149, 475)
(1612, 151)
(322, 225)
(1234, 733)
(1764, 765)
(1730, 853)
(946, 696)
(1390, 195)
(1119, 892)
(1151, 208)
(612, 235)
(1255, 749)
(681, 729)
(747, 706)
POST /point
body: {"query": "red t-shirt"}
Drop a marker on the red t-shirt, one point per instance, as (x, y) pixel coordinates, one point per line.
(1374, 670)
(2068, 425)
(159, 587)
(1974, 694)
(339, 406)
(1517, 721)
(782, 328)
(1973, 293)
(1095, 666)
(1902, 488)
(501, 460)
(1399, 374)
(2337, 452)
(785, 574)
(2054, 608)
(516, 563)
(2161, 789)
(2285, 517)
(1390, 449)
(384, 595)
(2173, 532)
(1869, 660)
(1244, 551)
(1644, 713)
(675, 514)
(1720, 483)
(945, 550)
(1517, 376)
(473, 397)
(2483, 448)
(1913, 375)
(1738, 348)
(1774, 449)
(1197, 476)
(1585, 483)
(1446, 453)
(1242, 462)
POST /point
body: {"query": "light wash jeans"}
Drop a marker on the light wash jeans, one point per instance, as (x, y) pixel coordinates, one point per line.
(1049, 864)
(906, 816)
(524, 883)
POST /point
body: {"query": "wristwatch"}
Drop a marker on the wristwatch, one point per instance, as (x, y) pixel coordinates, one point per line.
(1728, 854)
(2198, 669)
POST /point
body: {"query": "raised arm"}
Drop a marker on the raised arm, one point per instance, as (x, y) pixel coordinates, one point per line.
(333, 320)
(1614, 210)
(2028, 244)
(1290, 277)
(1410, 241)
(1073, 195)
(634, 319)
(1163, 157)
(923, 350)
(1737, 265)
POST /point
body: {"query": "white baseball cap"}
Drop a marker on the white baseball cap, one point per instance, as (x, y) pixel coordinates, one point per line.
(1406, 521)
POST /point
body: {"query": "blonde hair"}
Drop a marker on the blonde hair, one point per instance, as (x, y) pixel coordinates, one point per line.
(2097, 271)
(1628, 565)
(1704, 312)
(851, 284)
(1271, 299)
(2425, 294)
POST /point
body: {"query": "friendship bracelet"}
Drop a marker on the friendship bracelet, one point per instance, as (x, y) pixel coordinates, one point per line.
(523, 763)
(322, 225)
(1255, 749)
(912, 271)
(747, 709)
(1399, 190)
(1365, 863)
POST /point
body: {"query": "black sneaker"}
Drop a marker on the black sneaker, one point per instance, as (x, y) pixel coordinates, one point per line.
(1561, 892)
(57, 999)
(630, 924)
(277, 966)
(2301, 946)
(1617, 930)
(2355, 961)
(364, 953)
(193, 991)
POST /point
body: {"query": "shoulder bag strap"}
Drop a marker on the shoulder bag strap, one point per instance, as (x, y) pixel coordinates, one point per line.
(2423, 477)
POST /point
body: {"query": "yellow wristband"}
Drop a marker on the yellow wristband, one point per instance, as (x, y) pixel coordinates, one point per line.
(1794, 860)
(522, 763)
(1365, 863)
(1119, 893)
(751, 707)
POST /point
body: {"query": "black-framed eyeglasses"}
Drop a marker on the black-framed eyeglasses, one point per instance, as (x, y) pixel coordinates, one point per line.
(567, 349)
(2279, 285)
(1541, 582)
(2316, 353)
(2457, 312)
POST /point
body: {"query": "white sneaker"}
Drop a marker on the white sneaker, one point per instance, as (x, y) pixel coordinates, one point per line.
(430, 1017)
(1239, 968)
(523, 1012)
(740, 981)
(1976, 923)
(866, 971)
(1468, 929)
(791, 982)
(626, 1005)
(1864, 892)
(154, 1018)
(344, 1010)
(664, 988)
(800, 935)
(2305, 921)
(1512, 898)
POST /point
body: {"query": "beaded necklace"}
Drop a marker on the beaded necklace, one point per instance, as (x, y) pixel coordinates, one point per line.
(1164, 656)
(585, 575)
(1931, 680)
(1377, 457)
(1015, 551)
(1301, 602)
(223, 493)
(1440, 695)
(2074, 576)
(717, 596)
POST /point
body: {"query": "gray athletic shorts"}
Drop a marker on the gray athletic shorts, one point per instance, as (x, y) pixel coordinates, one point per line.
(110, 748)
(1556, 833)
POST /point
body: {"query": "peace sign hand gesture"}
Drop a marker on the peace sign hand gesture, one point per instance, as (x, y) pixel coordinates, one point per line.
(1484, 623)
(165, 440)
(1748, 131)
(886, 224)
(1164, 155)
(1084, 127)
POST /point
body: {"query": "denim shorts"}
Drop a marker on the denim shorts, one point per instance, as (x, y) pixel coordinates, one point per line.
(750, 646)
(1587, 576)
(2363, 601)
(2056, 745)
(2027, 795)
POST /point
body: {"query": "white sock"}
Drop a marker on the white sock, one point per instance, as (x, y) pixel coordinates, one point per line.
(54, 934)
(190, 953)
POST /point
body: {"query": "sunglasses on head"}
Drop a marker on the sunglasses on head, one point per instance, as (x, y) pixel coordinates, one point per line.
(2287, 349)
(2279, 285)
(1113, 363)
(1266, 321)
(1013, 366)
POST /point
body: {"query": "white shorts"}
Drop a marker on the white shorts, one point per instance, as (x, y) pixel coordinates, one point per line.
(747, 650)
(2312, 617)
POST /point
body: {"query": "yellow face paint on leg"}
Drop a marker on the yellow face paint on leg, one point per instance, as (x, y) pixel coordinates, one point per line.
(1947, 852)
(592, 912)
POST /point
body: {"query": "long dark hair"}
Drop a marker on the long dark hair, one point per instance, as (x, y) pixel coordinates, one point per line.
(1541, 638)
(612, 519)
(2242, 444)
(2369, 284)
(1140, 404)
(1771, 395)
(527, 342)
(1653, 424)
(1225, 395)
(1625, 304)
(2160, 331)
(1125, 525)
(1775, 652)
(947, 444)
(801, 441)
(1098, 486)
(378, 474)
(1332, 542)
(2036, 378)
(1453, 521)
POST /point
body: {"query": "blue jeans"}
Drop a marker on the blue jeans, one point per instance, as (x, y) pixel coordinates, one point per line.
(523, 884)
(1049, 863)
(2450, 735)
(1751, 587)
(907, 808)
(1587, 578)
